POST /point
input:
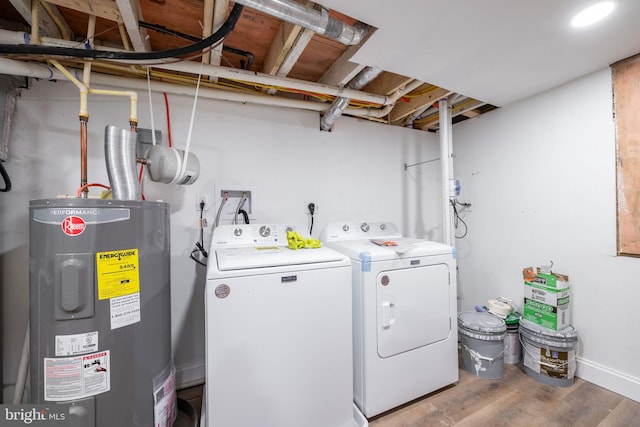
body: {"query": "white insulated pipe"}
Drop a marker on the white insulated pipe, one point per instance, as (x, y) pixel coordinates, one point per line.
(215, 71)
(446, 154)
(317, 21)
(45, 72)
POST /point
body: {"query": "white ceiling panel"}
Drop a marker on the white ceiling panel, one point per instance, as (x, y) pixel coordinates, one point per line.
(497, 51)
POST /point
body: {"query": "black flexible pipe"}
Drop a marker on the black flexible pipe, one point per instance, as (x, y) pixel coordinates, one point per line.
(5, 177)
(162, 29)
(214, 38)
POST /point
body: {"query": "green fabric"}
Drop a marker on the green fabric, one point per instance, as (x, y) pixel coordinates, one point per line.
(296, 241)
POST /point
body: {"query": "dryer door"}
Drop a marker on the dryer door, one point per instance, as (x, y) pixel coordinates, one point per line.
(413, 308)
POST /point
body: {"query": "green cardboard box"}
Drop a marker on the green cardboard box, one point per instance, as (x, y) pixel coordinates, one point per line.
(546, 299)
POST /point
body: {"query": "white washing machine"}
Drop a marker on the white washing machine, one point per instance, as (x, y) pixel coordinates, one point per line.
(278, 332)
(404, 313)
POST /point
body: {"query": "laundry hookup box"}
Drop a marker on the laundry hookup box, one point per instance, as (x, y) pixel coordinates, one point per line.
(546, 298)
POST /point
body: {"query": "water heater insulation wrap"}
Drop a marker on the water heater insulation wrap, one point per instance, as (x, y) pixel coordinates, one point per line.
(100, 309)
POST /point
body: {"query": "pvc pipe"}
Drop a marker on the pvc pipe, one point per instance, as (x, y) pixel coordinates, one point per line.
(446, 171)
(174, 64)
(44, 72)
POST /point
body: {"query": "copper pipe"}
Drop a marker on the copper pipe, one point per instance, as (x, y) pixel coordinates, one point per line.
(83, 155)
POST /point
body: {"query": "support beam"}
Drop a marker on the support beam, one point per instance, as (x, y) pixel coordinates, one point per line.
(343, 70)
(388, 83)
(428, 95)
(432, 121)
(106, 9)
(65, 30)
(220, 9)
(47, 26)
(280, 47)
(294, 53)
(132, 13)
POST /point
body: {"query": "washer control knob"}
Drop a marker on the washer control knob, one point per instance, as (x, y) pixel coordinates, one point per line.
(364, 227)
(265, 231)
(345, 228)
(237, 232)
(383, 226)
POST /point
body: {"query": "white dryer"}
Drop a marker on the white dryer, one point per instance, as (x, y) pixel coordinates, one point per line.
(404, 313)
(278, 332)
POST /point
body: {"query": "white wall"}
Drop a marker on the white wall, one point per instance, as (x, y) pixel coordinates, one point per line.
(541, 175)
(355, 172)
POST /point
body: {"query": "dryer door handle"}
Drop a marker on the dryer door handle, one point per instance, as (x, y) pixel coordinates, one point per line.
(387, 314)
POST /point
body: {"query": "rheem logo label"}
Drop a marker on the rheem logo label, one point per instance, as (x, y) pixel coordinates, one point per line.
(73, 225)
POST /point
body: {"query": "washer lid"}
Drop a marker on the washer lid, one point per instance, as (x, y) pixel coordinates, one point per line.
(481, 322)
(245, 257)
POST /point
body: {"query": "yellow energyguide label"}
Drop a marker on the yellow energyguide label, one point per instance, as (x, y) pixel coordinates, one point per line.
(117, 273)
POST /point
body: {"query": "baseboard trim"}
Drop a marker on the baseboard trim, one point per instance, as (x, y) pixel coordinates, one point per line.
(189, 376)
(608, 378)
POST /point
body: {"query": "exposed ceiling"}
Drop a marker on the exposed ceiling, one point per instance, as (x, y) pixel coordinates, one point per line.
(480, 54)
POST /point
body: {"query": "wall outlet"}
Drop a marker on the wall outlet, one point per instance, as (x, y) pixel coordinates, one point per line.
(461, 205)
(202, 197)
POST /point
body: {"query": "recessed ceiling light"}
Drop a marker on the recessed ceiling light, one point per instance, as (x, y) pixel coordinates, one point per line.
(593, 14)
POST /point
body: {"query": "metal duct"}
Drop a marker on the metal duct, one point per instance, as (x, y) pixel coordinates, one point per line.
(317, 21)
(120, 155)
(340, 103)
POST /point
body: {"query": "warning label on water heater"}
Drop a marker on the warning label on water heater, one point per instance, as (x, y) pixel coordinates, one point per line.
(76, 377)
(117, 273)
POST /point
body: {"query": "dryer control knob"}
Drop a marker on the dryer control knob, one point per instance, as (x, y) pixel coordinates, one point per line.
(383, 226)
(364, 227)
(345, 228)
(237, 232)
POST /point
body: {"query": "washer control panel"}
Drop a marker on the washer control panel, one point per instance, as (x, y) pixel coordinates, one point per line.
(359, 230)
(253, 234)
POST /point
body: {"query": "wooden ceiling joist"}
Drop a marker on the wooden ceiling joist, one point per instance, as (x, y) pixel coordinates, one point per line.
(343, 70)
(106, 9)
(47, 24)
(461, 108)
(387, 83)
(428, 94)
(132, 13)
(215, 13)
(287, 45)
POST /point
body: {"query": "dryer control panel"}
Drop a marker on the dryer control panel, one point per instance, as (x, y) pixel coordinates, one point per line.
(359, 230)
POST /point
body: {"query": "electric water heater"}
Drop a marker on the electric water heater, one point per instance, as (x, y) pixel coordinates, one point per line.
(100, 310)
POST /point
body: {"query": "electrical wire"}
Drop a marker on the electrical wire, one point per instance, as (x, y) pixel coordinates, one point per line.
(166, 107)
(213, 39)
(164, 30)
(7, 180)
(81, 189)
(200, 244)
(312, 211)
(456, 217)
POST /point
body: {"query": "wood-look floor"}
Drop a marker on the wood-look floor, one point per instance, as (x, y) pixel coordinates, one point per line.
(515, 400)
